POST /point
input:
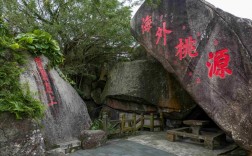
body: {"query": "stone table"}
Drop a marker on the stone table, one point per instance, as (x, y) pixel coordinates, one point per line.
(196, 125)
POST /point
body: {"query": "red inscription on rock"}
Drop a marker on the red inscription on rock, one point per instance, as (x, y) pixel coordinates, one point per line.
(198, 80)
(190, 73)
(162, 32)
(146, 24)
(216, 42)
(46, 81)
(198, 34)
(218, 63)
(186, 47)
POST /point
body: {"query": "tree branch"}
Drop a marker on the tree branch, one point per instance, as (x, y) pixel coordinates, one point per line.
(39, 17)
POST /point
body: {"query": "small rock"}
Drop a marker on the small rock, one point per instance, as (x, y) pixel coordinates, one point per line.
(92, 138)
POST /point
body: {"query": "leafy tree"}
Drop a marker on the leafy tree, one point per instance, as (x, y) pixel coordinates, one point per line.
(90, 32)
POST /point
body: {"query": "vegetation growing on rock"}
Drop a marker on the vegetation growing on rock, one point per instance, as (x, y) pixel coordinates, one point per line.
(16, 98)
(91, 33)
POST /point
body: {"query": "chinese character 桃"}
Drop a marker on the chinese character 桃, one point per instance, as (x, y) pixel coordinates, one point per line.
(186, 48)
(162, 32)
(218, 63)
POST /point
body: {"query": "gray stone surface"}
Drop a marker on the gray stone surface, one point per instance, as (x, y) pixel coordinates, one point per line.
(145, 86)
(225, 98)
(55, 153)
(20, 137)
(65, 120)
(96, 95)
(92, 138)
(123, 148)
(64, 148)
(152, 144)
(136, 81)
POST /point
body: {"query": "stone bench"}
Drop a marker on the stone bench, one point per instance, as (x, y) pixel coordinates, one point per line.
(208, 139)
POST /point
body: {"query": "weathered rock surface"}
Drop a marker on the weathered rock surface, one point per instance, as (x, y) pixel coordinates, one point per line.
(210, 52)
(55, 153)
(92, 138)
(136, 81)
(129, 106)
(20, 137)
(145, 86)
(96, 95)
(66, 115)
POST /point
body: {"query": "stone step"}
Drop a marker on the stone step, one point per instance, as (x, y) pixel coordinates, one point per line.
(66, 147)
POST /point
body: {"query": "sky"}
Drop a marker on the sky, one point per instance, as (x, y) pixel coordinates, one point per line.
(240, 8)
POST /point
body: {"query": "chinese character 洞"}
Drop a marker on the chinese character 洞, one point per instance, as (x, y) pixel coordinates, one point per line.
(162, 32)
(218, 63)
(146, 24)
(186, 48)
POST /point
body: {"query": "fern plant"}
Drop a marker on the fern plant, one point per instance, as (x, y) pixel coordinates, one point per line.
(14, 97)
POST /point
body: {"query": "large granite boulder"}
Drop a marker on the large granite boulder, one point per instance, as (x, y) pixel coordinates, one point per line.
(20, 137)
(66, 114)
(145, 86)
(210, 52)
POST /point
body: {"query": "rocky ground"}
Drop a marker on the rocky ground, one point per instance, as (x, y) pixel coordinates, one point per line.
(152, 143)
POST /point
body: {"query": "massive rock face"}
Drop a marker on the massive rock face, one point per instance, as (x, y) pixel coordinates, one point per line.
(210, 52)
(145, 86)
(66, 114)
(20, 137)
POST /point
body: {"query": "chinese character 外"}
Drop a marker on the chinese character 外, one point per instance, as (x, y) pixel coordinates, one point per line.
(162, 32)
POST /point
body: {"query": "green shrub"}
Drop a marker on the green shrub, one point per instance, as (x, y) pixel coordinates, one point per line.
(23, 105)
(96, 125)
(41, 43)
(14, 97)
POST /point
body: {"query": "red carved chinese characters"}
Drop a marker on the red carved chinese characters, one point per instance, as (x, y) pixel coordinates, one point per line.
(46, 81)
(146, 24)
(198, 34)
(198, 80)
(216, 42)
(162, 32)
(218, 63)
(186, 48)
